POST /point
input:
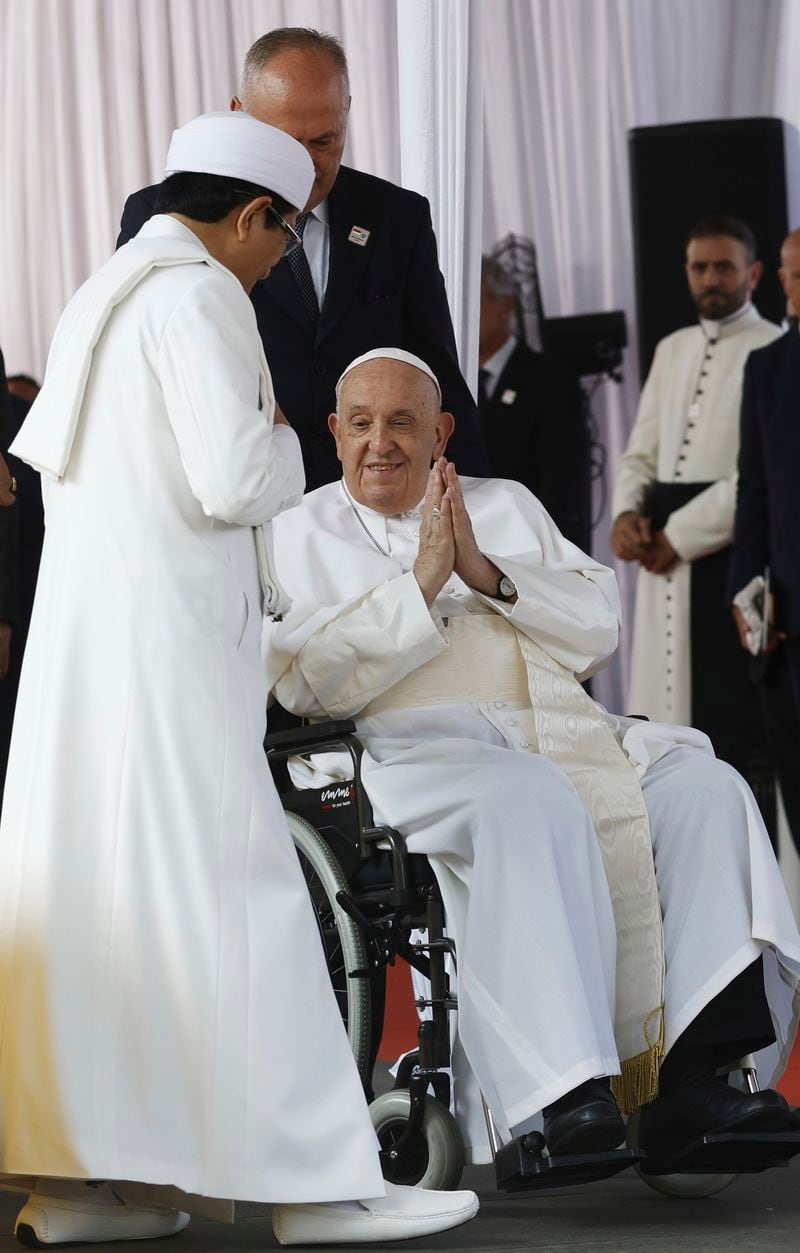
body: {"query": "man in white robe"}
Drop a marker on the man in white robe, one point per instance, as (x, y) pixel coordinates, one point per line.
(453, 621)
(675, 496)
(168, 1021)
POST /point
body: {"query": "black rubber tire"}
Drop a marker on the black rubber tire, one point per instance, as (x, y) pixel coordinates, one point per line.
(340, 936)
(438, 1161)
(681, 1187)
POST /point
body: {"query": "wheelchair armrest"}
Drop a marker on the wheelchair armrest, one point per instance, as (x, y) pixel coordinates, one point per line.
(321, 735)
(304, 738)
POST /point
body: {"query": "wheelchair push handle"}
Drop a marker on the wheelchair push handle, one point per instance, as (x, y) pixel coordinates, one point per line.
(310, 736)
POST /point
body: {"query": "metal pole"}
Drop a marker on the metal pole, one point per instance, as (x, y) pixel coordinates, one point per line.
(494, 1139)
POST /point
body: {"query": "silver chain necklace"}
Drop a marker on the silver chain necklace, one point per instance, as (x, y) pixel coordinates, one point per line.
(383, 551)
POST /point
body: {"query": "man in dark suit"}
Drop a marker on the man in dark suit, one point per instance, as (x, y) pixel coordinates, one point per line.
(767, 528)
(21, 536)
(532, 416)
(368, 273)
(9, 536)
(12, 593)
(8, 487)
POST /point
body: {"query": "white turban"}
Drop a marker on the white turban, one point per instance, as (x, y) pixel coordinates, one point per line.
(239, 146)
(390, 354)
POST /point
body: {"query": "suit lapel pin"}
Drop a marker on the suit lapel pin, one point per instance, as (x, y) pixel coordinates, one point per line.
(508, 397)
(358, 235)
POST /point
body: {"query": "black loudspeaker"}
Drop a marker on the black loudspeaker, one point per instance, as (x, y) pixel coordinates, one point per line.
(682, 173)
(591, 343)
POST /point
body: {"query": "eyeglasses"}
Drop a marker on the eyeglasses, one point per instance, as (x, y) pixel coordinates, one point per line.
(294, 240)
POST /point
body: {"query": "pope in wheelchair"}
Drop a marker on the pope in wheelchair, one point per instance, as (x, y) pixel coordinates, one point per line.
(621, 927)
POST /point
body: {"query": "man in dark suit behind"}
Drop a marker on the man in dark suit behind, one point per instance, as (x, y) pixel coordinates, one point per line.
(531, 412)
(767, 527)
(21, 532)
(368, 273)
(9, 537)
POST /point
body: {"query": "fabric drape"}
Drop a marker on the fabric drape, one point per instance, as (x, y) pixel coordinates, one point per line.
(90, 91)
(441, 144)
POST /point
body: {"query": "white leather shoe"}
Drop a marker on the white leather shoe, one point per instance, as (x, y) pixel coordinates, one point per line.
(400, 1215)
(49, 1220)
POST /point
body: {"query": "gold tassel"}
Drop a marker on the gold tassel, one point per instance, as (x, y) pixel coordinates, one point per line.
(638, 1083)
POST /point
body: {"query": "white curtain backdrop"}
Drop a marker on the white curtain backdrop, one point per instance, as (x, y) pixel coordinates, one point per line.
(90, 91)
(441, 144)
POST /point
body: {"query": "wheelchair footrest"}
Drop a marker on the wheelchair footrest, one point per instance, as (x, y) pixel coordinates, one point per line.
(521, 1165)
(743, 1152)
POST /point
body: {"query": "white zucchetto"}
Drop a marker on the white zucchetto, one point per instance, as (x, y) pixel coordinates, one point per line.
(239, 146)
(389, 354)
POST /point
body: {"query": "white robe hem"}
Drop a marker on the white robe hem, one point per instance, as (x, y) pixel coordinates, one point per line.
(594, 1067)
(142, 1192)
(733, 967)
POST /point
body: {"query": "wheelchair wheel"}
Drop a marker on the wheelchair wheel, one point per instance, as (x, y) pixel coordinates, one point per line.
(435, 1159)
(683, 1187)
(341, 938)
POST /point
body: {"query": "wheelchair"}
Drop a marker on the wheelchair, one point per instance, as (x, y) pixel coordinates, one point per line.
(370, 898)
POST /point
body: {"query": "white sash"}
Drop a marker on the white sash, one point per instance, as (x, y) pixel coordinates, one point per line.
(489, 660)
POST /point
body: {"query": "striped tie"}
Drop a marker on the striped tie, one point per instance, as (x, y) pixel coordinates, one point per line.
(298, 264)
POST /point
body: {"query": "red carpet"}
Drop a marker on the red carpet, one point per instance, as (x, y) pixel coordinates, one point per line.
(400, 1029)
(401, 1021)
(790, 1083)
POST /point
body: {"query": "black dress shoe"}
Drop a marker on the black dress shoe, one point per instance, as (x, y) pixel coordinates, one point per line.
(705, 1105)
(586, 1120)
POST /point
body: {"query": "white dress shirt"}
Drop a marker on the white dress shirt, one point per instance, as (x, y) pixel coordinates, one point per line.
(495, 364)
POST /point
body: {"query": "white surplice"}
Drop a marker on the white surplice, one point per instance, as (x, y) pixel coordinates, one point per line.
(511, 844)
(681, 437)
(167, 1015)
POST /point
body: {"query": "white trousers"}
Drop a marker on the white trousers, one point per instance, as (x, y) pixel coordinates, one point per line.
(527, 901)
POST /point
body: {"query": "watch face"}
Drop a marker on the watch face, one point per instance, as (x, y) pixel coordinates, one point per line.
(508, 588)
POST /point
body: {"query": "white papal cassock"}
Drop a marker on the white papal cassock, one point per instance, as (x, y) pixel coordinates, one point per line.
(167, 1015)
(686, 431)
(513, 848)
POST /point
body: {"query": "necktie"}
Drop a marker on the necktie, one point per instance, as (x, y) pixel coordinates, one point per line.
(298, 264)
(483, 379)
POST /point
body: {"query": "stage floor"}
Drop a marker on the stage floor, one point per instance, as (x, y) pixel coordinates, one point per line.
(758, 1214)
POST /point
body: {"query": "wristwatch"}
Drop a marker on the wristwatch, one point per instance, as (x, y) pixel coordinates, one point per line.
(506, 588)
